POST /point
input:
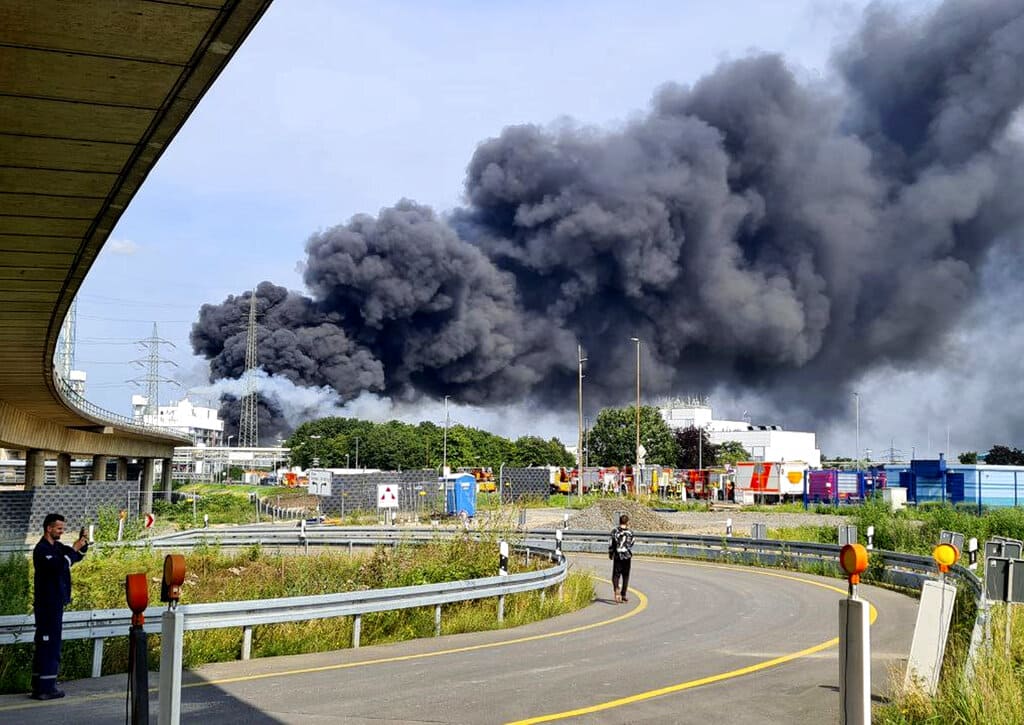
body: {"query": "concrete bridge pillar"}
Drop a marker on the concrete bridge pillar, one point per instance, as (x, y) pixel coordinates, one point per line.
(63, 469)
(122, 469)
(148, 474)
(99, 468)
(165, 477)
(35, 468)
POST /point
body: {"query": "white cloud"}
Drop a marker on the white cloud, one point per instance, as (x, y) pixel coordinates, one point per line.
(121, 246)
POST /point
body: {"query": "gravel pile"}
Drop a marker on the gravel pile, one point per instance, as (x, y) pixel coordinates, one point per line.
(604, 516)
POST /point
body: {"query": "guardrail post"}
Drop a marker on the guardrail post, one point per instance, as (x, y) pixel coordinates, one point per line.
(357, 628)
(246, 642)
(854, 642)
(437, 620)
(501, 608)
(97, 657)
(171, 636)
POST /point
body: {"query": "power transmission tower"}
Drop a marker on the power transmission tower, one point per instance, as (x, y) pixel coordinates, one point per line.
(248, 425)
(151, 364)
(66, 343)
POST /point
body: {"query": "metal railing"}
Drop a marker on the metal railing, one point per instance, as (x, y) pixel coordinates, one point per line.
(76, 400)
(905, 570)
(98, 624)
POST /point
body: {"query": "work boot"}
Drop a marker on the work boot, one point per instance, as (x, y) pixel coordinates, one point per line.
(51, 695)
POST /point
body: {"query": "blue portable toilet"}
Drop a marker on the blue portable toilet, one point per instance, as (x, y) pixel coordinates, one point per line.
(460, 494)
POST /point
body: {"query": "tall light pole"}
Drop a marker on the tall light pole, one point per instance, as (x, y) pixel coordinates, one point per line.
(636, 450)
(357, 451)
(444, 451)
(316, 449)
(227, 473)
(856, 404)
(579, 424)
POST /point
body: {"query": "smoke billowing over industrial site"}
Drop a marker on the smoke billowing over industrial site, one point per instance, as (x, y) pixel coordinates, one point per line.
(754, 230)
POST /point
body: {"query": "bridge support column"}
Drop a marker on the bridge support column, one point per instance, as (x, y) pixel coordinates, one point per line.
(99, 468)
(63, 469)
(35, 468)
(165, 477)
(148, 474)
(122, 469)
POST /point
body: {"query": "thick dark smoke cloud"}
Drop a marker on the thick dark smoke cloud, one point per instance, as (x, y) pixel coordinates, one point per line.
(753, 230)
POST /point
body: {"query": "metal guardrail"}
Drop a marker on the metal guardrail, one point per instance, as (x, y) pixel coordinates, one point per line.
(907, 570)
(99, 624)
(76, 400)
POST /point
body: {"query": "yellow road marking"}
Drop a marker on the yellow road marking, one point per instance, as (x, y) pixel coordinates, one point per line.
(731, 674)
(640, 606)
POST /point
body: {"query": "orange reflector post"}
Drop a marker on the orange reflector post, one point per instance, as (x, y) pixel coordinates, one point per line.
(945, 555)
(854, 560)
(136, 590)
(174, 577)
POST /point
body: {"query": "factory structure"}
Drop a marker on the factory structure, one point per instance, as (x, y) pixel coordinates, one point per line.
(762, 442)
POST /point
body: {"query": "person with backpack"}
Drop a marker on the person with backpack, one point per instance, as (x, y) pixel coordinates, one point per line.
(621, 552)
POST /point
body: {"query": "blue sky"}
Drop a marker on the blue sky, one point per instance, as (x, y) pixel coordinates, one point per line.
(336, 108)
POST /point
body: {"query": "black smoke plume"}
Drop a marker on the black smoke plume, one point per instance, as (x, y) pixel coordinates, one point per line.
(753, 231)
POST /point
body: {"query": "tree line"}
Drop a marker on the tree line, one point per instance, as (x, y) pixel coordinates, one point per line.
(349, 443)
(395, 446)
(997, 456)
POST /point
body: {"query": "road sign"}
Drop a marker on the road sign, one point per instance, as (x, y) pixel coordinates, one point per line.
(387, 496)
(149, 520)
(1004, 579)
(952, 537)
(319, 482)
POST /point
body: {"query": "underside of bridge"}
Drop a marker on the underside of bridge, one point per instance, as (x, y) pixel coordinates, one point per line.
(91, 94)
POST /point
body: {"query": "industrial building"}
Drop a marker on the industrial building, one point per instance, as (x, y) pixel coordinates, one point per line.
(762, 442)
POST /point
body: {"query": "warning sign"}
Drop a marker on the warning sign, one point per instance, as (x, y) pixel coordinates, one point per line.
(387, 496)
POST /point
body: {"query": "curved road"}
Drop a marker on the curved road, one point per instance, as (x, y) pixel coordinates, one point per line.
(696, 643)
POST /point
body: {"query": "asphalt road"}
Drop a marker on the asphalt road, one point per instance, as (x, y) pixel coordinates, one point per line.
(696, 643)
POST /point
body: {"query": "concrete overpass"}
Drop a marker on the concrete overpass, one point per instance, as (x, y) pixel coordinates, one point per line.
(91, 94)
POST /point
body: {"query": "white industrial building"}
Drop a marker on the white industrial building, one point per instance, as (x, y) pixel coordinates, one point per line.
(199, 423)
(762, 442)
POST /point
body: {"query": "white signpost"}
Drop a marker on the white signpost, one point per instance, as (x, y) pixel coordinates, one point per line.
(387, 496)
(319, 482)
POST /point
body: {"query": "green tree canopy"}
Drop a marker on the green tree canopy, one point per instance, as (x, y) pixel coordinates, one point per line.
(613, 437)
(1004, 456)
(694, 449)
(968, 457)
(730, 452)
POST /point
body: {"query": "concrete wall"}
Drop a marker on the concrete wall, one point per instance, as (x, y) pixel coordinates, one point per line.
(22, 512)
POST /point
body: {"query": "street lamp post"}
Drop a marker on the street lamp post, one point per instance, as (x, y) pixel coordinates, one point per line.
(357, 451)
(444, 450)
(856, 407)
(579, 424)
(227, 471)
(636, 450)
(315, 461)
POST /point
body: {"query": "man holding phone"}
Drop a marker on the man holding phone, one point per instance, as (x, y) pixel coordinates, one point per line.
(52, 562)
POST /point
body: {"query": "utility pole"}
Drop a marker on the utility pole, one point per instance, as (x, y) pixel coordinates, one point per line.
(579, 423)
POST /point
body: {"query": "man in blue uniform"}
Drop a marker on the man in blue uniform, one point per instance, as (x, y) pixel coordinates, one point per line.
(52, 562)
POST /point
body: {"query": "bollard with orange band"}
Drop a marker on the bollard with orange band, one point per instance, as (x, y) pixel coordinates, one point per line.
(136, 589)
(854, 560)
(945, 555)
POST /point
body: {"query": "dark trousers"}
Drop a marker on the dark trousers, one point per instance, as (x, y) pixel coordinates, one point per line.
(620, 569)
(46, 659)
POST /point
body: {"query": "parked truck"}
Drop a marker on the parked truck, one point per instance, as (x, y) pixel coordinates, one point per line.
(769, 480)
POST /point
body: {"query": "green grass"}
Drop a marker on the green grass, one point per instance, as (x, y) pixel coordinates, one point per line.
(992, 695)
(215, 575)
